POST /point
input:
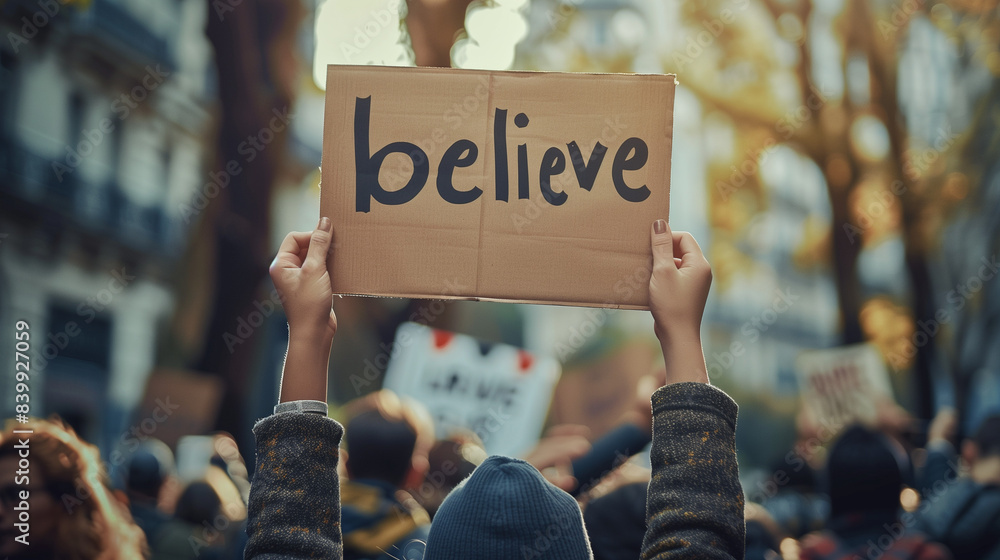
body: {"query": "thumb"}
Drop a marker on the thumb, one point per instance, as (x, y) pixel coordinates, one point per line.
(662, 241)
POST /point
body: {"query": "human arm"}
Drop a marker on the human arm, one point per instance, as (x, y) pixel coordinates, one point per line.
(294, 503)
(300, 275)
(695, 501)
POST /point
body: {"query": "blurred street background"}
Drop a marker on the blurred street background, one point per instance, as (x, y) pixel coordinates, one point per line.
(838, 160)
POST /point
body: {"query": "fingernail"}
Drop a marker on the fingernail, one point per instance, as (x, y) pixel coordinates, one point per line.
(324, 223)
(660, 226)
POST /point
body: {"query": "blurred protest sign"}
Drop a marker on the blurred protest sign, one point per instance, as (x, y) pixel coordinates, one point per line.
(506, 186)
(178, 403)
(500, 392)
(844, 385)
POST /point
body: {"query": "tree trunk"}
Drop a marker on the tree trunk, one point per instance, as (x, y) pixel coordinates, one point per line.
(253, 43)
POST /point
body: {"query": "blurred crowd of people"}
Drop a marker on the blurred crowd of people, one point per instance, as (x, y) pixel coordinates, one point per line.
(873, 497)
(379, 484)
(76, 513)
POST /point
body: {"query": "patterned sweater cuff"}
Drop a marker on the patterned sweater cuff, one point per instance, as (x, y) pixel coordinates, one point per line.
(690, 395)
(294, 506)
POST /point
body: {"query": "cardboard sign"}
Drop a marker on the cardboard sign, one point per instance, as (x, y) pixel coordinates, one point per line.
(844, 385)
(500, 392)
(504, 186)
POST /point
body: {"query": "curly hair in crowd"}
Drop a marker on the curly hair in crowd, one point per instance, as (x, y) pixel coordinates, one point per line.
(85, 520)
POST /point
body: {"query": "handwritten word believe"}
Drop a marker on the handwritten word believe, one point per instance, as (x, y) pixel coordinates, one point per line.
(631, 156)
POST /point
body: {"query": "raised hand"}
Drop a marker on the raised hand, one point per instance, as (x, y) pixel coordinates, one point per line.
(299, 274)
(678, 290)
(555, 452)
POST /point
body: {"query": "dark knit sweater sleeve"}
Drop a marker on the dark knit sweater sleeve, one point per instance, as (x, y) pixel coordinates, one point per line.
(694, 507)
(294, 509)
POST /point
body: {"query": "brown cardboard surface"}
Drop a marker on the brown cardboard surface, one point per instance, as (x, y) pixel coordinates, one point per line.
(592, 250)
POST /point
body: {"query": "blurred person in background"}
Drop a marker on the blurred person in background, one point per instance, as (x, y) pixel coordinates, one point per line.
(227, 474)
(591, 466)
(864, 478)
(231, 519)
(149, 468)
(798, 506)
(763, 534)
(616, 522)
(963, 513)
(614, 511)
(227, 457)
(557, 450)
(73, 514)
(387, 442)
(450, 461)
(695, 506)
(194, 530)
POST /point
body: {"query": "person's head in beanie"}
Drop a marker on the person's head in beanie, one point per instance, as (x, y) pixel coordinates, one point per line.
(864, 473)
(507, 510)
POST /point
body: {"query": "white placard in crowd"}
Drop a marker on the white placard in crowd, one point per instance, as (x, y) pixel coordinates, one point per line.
(844, 385)
(500, 392)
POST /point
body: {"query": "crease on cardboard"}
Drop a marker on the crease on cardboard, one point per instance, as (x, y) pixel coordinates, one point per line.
(669, 133)
(486, 158)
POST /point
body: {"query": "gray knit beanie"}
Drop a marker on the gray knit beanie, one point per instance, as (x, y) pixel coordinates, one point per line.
(507, 511)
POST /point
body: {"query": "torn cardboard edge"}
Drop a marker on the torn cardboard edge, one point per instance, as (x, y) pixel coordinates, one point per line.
(441, 297)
